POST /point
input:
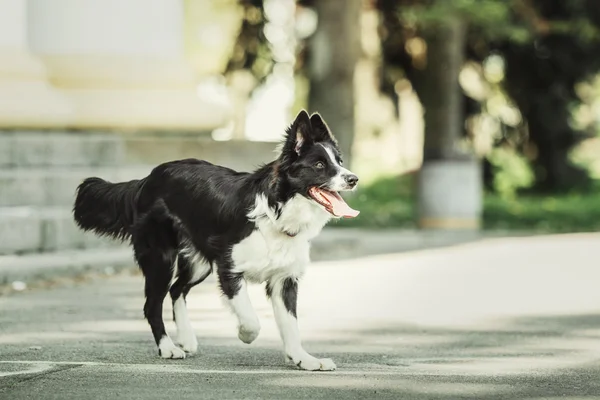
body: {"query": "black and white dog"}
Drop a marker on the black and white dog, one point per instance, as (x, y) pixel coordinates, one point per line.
(189, 217)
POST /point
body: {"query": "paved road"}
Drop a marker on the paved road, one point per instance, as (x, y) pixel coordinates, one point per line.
(499, 319)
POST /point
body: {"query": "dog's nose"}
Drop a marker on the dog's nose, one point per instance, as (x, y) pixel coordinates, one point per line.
(351, 180)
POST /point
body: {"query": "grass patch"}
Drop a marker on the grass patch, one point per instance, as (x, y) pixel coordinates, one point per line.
(389, 202)
(576, 212)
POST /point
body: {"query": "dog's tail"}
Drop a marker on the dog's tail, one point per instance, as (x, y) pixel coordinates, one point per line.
(106, 208)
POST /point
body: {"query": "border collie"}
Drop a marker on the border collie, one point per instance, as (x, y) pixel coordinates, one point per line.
(190, 217)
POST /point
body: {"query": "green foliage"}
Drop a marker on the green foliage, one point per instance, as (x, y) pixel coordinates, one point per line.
(389, 203)
(497, 19)
(493, 18)
(252, 51)
(543, 43)
(575, 212)
(511, 172)
(478, 11)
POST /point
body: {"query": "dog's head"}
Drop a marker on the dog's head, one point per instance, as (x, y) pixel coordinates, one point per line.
(312, 164)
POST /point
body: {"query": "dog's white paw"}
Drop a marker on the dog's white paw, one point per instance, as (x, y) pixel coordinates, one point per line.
(247, 333)
(167, 349)
(310, 363)
(188, 341)
(327, 364)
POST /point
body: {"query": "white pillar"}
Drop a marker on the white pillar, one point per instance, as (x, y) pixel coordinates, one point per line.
(25, 95)
(132, 64)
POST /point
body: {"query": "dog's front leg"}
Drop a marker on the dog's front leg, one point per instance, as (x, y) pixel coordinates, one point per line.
(234, 287)
(284, 294)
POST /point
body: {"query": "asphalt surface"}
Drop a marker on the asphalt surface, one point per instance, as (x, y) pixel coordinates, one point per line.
(495, 319)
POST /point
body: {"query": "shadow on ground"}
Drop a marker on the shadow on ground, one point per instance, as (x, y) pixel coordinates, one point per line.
(468, 322)
(530, 357)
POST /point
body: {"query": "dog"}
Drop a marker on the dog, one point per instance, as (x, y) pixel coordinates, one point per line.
(189, 217)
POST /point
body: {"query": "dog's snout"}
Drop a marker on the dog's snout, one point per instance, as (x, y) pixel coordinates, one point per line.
(351, 179)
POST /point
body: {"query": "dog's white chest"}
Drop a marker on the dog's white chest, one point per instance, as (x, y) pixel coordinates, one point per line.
(268, 252)
(267, 255)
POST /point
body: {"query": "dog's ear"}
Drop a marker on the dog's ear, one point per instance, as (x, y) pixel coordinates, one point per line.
(298, 134)
(320, 130)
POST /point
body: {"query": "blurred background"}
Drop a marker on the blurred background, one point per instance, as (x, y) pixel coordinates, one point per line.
(462, 115)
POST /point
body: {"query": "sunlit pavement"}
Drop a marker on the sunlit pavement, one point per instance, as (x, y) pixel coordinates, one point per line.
(496, 319)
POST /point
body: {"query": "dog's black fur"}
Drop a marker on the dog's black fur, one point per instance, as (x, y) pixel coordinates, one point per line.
(195, 204)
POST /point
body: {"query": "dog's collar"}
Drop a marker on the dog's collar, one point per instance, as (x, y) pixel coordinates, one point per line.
(283, 231)
(289, 234)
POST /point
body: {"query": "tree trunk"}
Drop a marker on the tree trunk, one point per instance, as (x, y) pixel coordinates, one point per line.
(441, 94)
(450, 184)
(333, 53)
(542, 88)
(554, 172)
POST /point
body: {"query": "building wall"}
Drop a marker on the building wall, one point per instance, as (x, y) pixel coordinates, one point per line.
(134, 64)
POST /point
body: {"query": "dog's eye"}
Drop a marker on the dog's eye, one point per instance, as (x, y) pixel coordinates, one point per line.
(341, 162)
(319, 165)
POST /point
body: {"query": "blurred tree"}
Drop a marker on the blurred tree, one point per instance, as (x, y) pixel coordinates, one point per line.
(541, 75)
(426, 42)
(333, 51)
(548, 46)
(328, 58)
(251, 50)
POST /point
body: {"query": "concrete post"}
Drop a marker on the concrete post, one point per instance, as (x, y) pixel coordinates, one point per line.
(450, 181)
(450, 195)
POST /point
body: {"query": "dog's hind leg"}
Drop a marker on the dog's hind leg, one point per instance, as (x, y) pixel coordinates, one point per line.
(189, 275)
(154, 243)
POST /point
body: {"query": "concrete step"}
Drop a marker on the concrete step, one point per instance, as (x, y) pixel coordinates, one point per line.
(25, 149)
(48, 266)
(55, 186)
(241, 155)
(45, 229)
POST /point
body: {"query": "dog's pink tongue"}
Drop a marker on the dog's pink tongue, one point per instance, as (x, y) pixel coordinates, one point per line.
(339, 206)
